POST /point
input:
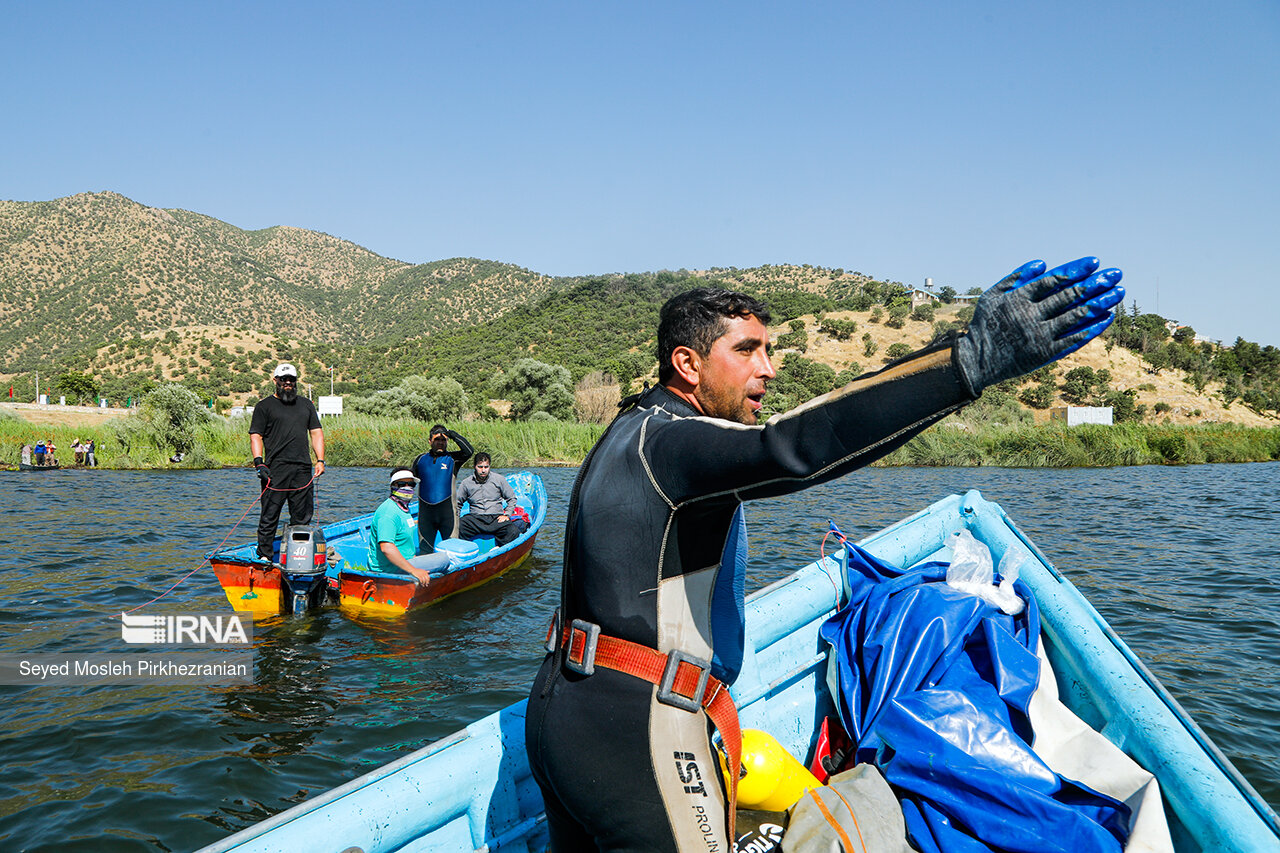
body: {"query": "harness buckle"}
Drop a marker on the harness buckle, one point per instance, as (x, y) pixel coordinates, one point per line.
(553, 632)
(586, 665)
(668, 696)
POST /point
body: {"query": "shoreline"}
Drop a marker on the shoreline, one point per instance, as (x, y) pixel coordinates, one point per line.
(132, 444)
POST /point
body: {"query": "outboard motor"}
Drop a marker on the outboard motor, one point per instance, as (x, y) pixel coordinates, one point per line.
(302, 563)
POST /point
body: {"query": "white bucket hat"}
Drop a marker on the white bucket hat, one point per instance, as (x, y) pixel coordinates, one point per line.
(402, 474)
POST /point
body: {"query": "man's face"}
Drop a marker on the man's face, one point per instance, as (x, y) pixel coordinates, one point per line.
(482, 471)
(732, 379)
(287, 388)
(438, 441)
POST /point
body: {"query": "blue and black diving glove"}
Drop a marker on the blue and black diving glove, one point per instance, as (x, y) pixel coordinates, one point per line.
(1033, 317)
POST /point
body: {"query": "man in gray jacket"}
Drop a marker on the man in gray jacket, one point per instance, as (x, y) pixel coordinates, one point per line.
(489, 495)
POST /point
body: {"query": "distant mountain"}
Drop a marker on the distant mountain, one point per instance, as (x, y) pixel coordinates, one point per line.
(126, 296)
(82, 271)
(87, 273)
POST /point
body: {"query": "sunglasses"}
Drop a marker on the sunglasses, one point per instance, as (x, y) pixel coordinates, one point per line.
(287, 380)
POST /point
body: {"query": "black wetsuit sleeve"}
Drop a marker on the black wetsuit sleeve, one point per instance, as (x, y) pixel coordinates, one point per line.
(692, 458)
(465, 450)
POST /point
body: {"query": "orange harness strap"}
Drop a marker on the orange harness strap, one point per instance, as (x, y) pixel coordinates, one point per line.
(683, 681)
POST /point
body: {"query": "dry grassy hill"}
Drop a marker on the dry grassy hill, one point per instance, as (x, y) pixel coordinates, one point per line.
(90, 268)
(1127, 369)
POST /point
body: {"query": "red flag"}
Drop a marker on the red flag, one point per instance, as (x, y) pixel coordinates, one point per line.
(10, 392)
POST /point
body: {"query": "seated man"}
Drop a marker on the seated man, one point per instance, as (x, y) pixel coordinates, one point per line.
(393, 536)
(489, 495)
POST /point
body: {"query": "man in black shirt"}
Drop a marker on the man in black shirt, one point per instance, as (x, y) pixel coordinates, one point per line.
(283, 431)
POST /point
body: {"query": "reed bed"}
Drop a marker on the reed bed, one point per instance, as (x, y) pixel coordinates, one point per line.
(371, 441)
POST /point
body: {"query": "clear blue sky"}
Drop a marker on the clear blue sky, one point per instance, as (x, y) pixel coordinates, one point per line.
(905, 140)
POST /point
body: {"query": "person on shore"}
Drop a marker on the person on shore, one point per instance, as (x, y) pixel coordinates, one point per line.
(489, 495)
(655, 543)
(26, 453)
(393, 535)
(436, 470)
(77, 451)
(90, 454)
(283, 431)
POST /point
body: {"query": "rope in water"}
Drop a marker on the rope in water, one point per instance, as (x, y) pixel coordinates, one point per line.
(266, 487)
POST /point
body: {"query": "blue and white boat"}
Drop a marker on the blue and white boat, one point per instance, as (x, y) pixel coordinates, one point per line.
(473, 791)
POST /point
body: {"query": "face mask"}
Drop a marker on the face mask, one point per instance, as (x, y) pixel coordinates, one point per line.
(402, 494)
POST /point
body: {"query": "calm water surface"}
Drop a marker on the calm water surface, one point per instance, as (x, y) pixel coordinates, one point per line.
(1181, 561)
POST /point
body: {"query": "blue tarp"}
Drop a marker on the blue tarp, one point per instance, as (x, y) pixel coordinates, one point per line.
(934, 687)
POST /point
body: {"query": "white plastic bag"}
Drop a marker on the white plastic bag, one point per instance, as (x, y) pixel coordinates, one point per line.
(971, 572)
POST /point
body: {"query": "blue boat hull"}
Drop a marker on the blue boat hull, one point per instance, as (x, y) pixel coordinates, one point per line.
(473, 790)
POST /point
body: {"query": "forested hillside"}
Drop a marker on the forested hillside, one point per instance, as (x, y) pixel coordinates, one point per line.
(101, 296)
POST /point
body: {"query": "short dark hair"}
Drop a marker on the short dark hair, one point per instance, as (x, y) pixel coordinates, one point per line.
(481, 457)
(438, 429)
(697, 318)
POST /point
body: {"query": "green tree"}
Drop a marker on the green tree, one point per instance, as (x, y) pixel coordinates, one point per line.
(897, 351)
(1158, 359)
(799, 379)
(78, 386)
(839, 329)
(420, 397)
(533, 386)
(173, 414)
(1124, 405)
(797, 338)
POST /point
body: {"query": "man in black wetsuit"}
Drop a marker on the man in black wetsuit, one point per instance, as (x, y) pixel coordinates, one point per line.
(282, 433)
(650, 630)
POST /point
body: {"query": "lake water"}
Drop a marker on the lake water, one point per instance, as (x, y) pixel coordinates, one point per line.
(1181, 561)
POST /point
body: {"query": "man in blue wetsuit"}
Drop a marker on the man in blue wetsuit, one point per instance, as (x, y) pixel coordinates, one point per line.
(650, 629)
(436, 469)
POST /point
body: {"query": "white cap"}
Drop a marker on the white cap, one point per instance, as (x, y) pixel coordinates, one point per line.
(402, 474)
(284, 368)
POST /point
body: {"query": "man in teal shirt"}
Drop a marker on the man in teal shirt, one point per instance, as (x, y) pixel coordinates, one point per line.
(393, 536)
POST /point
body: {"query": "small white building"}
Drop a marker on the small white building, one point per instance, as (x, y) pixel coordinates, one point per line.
(1076, 415)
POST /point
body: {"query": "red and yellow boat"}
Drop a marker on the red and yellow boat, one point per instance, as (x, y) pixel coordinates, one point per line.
(255, 585)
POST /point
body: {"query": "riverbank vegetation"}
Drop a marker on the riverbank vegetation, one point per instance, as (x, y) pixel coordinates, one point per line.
(356, 440)
(369, 440)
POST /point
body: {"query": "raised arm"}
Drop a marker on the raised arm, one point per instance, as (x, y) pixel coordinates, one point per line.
(464, 451)
(1029, 319)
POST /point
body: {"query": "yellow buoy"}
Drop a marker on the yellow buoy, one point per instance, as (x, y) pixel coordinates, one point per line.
(771, 780)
